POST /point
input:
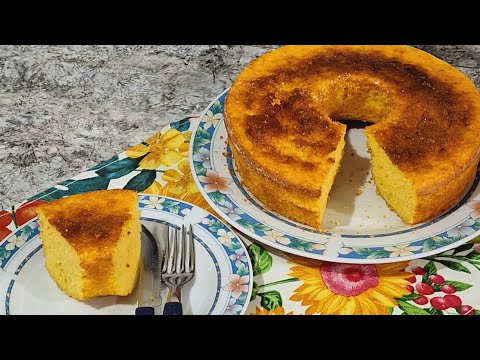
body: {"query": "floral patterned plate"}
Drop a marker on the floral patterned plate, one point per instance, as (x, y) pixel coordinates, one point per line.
(222, 283)
(358, 225)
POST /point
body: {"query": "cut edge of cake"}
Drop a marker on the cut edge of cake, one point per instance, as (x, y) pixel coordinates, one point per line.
(85, 272)
(298, 206)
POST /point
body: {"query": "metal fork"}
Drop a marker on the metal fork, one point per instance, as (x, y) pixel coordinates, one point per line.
(178, 265)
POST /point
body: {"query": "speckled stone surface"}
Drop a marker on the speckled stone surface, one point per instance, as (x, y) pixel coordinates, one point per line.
(63, 109)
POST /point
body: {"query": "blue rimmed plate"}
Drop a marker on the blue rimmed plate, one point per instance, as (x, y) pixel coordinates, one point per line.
(222, 284)
(358, 226)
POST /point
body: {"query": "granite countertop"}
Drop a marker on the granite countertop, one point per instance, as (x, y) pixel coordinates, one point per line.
(64, 109)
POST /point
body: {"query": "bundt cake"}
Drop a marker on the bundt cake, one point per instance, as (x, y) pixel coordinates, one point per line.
(281, 113)
(91, 242)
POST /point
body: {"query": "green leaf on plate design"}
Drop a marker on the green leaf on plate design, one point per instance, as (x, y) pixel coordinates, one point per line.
(271, 300)
(437, 242)
(217, 108)
(254, 291)
(172, 206)
(453, 265)
(182, 125)
(362, 251)
(202, 137)
(233, 246)
(410, 309)
(373, 254)
(119, 168)
(142, 181)
(243, 297)
(4, 254)
(379, 254)
(462, 248)
(27, 232)
(215, 225)
(86, 185)
(218, 197)
(246, 224)
(476, 224)
(261, 260)
(242, 270)
(253, 227)
(300, 245)
(430, 269)
(199, 169)
(460, 286)
(260, 227)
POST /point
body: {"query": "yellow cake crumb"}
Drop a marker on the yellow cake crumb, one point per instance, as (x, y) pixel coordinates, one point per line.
(91, 242)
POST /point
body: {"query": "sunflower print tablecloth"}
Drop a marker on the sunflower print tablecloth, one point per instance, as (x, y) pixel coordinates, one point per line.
(448, 283)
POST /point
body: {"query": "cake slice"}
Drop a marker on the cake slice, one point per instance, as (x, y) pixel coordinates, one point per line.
(91, 242)
(307, 202)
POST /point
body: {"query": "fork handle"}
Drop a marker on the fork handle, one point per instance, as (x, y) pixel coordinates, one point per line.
(173, 308)
(145, 311)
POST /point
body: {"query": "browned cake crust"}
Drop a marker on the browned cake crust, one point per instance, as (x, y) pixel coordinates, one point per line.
(92, 224)
(279, 114)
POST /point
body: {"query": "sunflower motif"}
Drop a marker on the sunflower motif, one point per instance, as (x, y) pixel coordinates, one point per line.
(196, 199)
(348, 289)
(154, 189)
(277, 311)
(184, 149)
(166, 150)
(180, 181)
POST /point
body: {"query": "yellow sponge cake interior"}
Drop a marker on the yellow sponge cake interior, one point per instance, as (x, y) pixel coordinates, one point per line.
(91, 242)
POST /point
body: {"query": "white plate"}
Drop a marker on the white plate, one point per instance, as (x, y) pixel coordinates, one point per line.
(359, 226)
(222, 264)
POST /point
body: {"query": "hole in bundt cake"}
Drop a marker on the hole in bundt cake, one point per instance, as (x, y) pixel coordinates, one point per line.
(349, 183)
(355, 124)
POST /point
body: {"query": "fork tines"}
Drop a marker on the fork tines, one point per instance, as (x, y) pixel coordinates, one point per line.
(179, 255)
